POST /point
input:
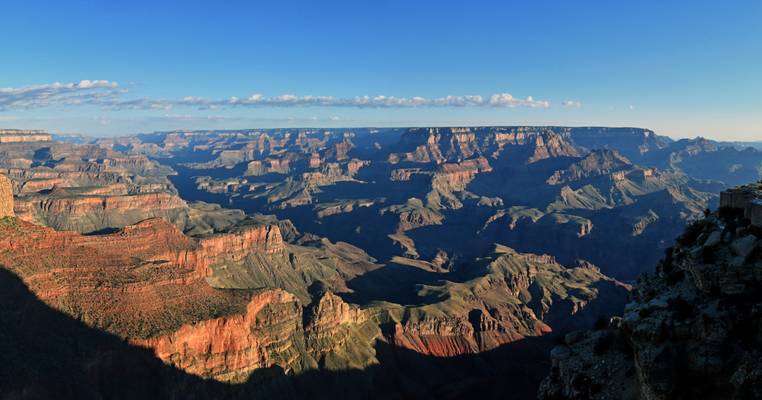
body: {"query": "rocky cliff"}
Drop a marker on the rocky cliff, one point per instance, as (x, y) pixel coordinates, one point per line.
(230, 348)
(692, 329)
(98, 209)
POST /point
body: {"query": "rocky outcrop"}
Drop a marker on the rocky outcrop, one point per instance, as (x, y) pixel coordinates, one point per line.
(551, 145)
(37, 180)
(230, 348)
(328, 209)
(235, 246)
(748, 199)
(87, 212)
(691, 329)
(644, 222)
(94, 203)
(440, 337)
(269, 166)
(6, 197)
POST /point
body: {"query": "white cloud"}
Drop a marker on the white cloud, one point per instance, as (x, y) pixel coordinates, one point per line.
(111, 95)
(88, 84)
(85, 92)
(507, 100)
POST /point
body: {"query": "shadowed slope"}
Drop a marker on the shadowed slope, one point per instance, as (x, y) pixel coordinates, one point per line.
(49, 355)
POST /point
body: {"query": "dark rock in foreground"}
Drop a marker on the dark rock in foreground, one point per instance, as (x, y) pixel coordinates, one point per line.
(693, 329)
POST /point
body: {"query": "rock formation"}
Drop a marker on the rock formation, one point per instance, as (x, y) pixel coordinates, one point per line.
(748, 199)
(230, 348)
(691, 329)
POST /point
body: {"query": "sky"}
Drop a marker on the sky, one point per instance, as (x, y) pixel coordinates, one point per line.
(681, 68)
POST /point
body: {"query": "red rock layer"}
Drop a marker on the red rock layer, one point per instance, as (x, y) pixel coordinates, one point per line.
(436, 337)
(454, 336)
(146, 278)
(458, 175)
(226, 347)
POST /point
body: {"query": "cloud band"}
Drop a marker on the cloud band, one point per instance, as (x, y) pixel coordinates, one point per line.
(111, 95)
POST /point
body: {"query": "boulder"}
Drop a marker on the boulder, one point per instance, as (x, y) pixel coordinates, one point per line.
(714, 239)
(744, 246)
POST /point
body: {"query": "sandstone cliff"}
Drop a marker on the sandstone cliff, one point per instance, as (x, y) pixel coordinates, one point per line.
(230, 348)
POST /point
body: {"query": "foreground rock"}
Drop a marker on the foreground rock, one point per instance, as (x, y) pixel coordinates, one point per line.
(692, 329)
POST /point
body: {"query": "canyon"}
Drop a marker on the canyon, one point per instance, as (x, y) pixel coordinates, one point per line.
(422, 262)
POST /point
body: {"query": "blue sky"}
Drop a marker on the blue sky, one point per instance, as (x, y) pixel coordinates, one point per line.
(682, 68)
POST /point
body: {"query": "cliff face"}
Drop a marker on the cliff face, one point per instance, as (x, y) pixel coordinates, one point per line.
(6, 197)
(237, 244)
(67, 209)
(692, 329)
(230, 348)
(143, 279)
